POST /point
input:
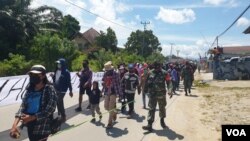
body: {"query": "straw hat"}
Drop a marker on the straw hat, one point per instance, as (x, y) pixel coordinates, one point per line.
(108, 66)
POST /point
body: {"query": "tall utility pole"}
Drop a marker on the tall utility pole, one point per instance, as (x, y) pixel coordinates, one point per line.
(170, 57)
(178, 51)
(143, 42)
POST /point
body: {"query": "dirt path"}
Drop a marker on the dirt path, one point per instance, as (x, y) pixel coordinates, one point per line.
(200, 116)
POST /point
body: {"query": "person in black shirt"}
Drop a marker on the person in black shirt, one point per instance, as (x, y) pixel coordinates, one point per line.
(85, 83)
(130, 81)
(95, 100)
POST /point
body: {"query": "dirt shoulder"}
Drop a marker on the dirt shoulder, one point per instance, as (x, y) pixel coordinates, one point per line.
(223, 102)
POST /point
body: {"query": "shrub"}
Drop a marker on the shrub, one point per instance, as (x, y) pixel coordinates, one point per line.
(16, 65)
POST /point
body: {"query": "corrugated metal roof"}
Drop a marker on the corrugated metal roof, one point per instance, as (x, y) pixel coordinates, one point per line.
(236, 50)
(247, 31)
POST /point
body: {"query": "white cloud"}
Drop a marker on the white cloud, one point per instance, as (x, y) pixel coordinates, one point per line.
(176, 16)
(200, 43)
(185, 51)
(138, 17)
(108, 9)
(176, 38)
(214, 2)
(243, 22)
(227, 3)
(121, 7)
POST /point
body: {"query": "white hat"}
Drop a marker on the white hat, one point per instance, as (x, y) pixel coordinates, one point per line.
(37, 69)
(108, 66)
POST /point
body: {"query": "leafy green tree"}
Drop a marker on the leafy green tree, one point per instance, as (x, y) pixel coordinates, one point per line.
(47, 48)
(136, 40)
(16, 26)
(19, 24)
(70, 27)
(49, 19)
(155, 57)
(77, 62)
(102, 57)
(108, 40)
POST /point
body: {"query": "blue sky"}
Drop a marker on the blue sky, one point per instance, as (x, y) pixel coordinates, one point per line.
(191, 25)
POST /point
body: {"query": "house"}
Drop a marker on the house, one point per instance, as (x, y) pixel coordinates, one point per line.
(86, 39)
(226, 53)
(234, 51)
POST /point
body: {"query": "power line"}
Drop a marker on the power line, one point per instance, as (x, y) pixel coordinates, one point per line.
(98, 15)
(217, 37)
(235, 21)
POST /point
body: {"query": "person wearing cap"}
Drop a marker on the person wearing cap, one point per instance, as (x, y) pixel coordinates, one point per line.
(85, 76)
(37, 107)
(62, 82)
(112, 89)
(130, 81)
(155, 86)
(122, 70)
(187, 77)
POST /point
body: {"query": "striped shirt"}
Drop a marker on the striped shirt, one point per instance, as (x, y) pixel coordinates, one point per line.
(112, 83)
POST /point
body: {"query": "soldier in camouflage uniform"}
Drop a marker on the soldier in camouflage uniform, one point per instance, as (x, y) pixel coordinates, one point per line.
(156, 88)
(188, 77)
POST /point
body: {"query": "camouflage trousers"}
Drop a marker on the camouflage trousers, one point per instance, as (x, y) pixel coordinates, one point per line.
(162, 102)
(187, 84)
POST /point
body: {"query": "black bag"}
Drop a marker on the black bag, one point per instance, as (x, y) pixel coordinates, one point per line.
(55, 125)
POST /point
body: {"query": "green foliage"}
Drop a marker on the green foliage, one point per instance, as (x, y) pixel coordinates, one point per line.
(70, 27)
(143, 43)
(102, 57)
(16, 65)
(43, 35)
(77, 62)
(107, 40)
(48, 48)
(127, 58)
(155, 57)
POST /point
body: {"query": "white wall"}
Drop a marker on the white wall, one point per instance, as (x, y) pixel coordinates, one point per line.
(12, 88)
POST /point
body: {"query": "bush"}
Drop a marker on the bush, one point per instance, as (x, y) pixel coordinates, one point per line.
(16, 65)
(77, 63)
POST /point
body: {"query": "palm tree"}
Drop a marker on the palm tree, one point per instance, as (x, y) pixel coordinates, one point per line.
(19, 24)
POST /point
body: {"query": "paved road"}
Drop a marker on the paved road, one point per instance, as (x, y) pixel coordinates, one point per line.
(124, 129)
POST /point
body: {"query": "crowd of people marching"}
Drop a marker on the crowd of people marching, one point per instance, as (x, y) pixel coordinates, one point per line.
(119, 84)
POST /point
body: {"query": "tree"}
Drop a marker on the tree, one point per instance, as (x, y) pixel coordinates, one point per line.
(135, 43)
(16, 26)
(19, 24)
(107, 40)
(49, 19)
(47, 48)
(15, 65)
(70, 27)
(155, 57)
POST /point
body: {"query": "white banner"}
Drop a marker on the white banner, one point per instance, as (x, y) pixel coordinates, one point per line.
(12, 88)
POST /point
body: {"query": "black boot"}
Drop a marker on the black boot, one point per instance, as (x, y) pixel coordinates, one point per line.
(163, 125)
(186, 93)
(148, 127)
